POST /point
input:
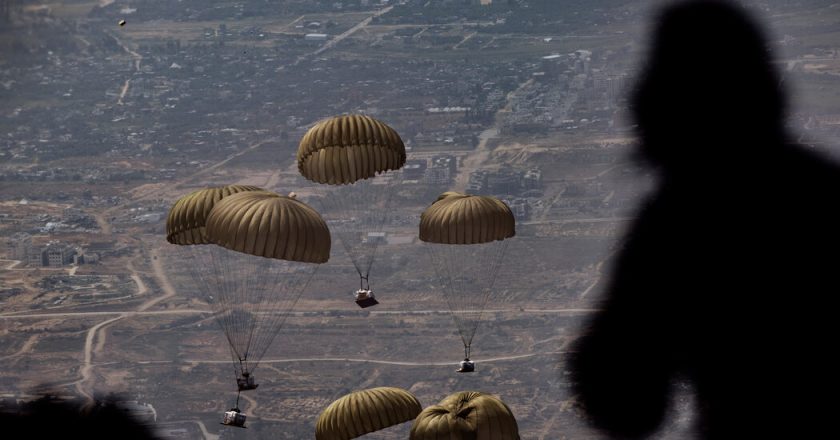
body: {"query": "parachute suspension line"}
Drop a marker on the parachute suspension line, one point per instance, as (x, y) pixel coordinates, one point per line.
(260, 281)
(444, 270)
(252, 287)
(291, 294)
(223, 288)
(384, 209)
(250, 297)
(237, 399)
(466, 351)
(364, 283)
(209, 271)
(353, 212)
(232, 300)
(468, 273)
(494, 264)
(234, 361)
(262, 289)
(241, 289)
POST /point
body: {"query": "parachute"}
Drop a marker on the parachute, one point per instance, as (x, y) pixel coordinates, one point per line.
(466, 237)
(265, 224)
(366, 411)
(253, 252)
(356, 158)
(187, 217)
(463, 415)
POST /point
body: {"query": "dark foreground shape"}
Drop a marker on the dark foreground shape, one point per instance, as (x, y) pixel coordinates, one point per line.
(467, 366)
(234, 417)
(53, 418)
(725, 280)
(365, 298)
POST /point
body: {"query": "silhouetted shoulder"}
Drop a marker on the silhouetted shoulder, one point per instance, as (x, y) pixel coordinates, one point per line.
(722, 282)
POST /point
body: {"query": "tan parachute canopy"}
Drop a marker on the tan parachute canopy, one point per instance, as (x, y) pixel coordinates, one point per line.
(456, 218)
(187, 217)
(466, 415)
(266, 224)
(344, 149)
(365, 411)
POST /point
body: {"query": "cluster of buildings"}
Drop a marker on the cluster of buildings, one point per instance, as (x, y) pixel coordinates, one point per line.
(439, 170)
(520, 189)
(506, 181)
(216, 95)
(568, 93)
(53, 253)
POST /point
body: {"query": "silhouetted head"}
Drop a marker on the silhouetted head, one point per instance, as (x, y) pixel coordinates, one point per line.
(708, 95)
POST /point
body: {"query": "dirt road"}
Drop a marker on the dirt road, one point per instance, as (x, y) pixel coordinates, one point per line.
(473, 160)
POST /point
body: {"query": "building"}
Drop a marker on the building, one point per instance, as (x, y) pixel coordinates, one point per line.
(35, 257)
(376, 238)
(532, 179)
(503, 182)
(57, 254)
(437, 175)
(616, 88)
(414, 169)
(520, 208)
(85, 257)
(446, 161)
(477, 181)
(18, 245)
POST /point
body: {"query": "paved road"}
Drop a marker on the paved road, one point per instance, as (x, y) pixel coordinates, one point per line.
(351, 31)
(474, 159)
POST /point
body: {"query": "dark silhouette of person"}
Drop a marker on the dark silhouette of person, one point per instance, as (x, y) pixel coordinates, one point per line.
(724, 281)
